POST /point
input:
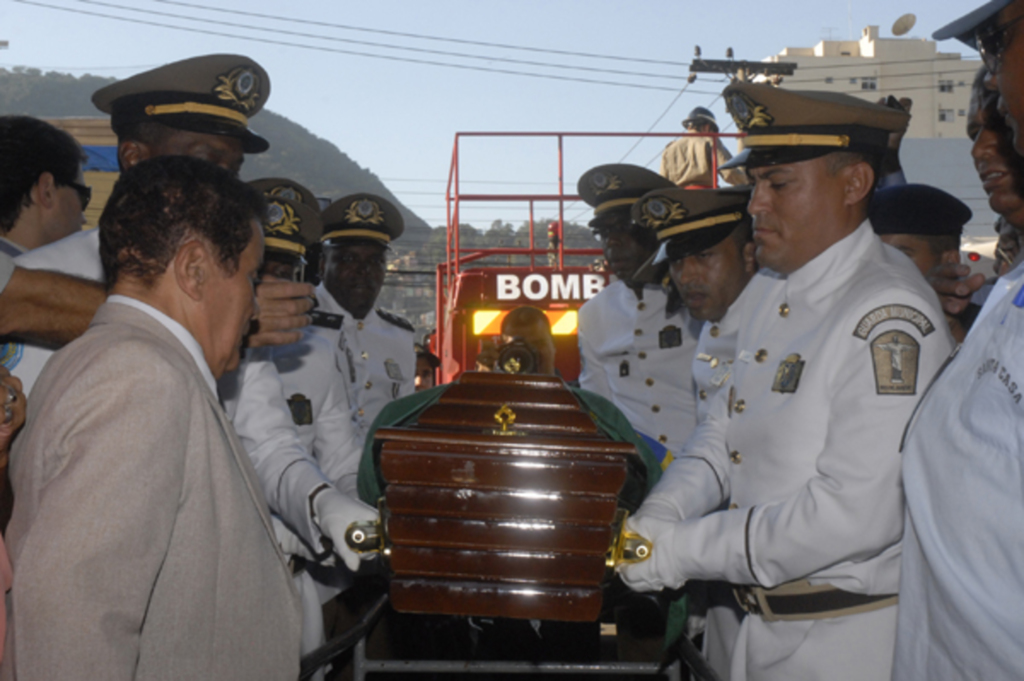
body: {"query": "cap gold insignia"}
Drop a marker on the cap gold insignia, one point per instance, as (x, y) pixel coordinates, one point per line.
(656, 213)
(240, 86)
(364, 210)
(281, 219)
(747, 113)
(604, 183)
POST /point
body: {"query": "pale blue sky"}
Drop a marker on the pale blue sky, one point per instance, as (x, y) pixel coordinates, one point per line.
(399, 118)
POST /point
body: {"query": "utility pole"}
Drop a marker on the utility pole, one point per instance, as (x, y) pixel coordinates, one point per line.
(743, 71)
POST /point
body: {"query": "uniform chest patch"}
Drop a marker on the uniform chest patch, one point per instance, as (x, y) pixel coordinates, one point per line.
(670, 337)
(393, 369)
(884, 313)
(895, 355)
(787, 376)
(302, 409)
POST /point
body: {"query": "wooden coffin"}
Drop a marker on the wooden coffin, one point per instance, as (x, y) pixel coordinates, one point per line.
(501, 501)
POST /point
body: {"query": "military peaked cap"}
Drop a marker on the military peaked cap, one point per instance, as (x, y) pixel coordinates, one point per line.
(361, 216)
(290, 226)
(965, 28)
(616, 187)
(788, 126)
(689, 221)
(214, 95)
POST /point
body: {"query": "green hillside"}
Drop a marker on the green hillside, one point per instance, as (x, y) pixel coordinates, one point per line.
(294, 151)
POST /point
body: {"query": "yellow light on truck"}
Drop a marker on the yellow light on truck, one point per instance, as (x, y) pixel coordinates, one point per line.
(488, 322)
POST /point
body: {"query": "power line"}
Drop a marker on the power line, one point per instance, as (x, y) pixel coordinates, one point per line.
(419, 50)
(318, 48)
(418, 36)
(84, 68)
(656, 121)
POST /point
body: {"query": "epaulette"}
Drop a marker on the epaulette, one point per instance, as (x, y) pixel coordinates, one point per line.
(399, 321)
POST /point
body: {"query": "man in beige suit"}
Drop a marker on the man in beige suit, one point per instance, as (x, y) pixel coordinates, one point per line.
(141, 543)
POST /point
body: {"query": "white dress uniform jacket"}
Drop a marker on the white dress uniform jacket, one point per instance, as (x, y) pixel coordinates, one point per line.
(805, 445)
(319, 407)
(375, 356)
(636, 356)
(962, 587)
(141, 541)
(263, 426)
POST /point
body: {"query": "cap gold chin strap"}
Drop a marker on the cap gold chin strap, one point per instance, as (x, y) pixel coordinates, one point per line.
(796, 140)
(197, 108)
(614, 203)
(356, 233)
(699, 224)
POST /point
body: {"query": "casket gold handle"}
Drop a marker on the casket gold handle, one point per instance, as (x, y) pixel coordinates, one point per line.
(369, 536)
(364, 536)
(627, 547)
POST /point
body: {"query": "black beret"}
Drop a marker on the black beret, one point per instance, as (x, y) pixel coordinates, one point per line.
(919, 210)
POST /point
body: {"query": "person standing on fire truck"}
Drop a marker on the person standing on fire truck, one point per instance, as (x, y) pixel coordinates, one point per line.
(636, 341)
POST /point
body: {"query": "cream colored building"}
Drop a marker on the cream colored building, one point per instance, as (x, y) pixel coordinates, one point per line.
(939, 83)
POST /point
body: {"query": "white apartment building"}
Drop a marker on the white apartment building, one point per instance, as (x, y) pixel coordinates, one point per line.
(873, 67)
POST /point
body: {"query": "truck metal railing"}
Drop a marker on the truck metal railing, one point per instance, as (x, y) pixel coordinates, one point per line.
(457, 256)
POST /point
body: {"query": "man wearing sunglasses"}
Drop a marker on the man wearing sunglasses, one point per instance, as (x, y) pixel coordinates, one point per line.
(961, 584)
(994, 29)
(42, 195)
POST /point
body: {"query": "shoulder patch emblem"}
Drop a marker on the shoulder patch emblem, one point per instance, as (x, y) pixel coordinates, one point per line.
(787, 376)
(400, 322)
(895, 355)
(885, 313)
(302, 409)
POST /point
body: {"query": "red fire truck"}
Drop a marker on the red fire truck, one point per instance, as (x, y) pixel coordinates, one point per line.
(473, 296)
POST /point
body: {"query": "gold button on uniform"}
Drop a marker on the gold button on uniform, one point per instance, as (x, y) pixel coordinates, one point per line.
(733, 506)
(365, 355)
(655, 409)
(784, 310)
(714, 332)
(703, 394)
(360, 412)
(649, 381)
(641, 306)
(642, 355)
(359, 326)
(638, 332)
(739, 406)
(736, 457)
(761, 355)
(369, 384)
(663, 439)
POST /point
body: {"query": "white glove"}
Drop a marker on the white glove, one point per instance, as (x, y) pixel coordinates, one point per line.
(661, 569)
(659, 506)
(334, 513)
(291, 543)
